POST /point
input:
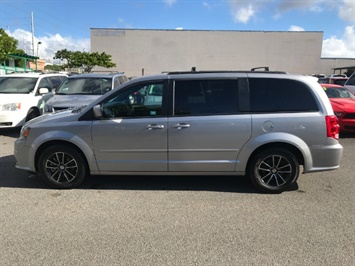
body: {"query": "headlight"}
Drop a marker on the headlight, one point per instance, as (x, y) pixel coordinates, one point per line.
(25, 131)
(10, 107)
(338, 114)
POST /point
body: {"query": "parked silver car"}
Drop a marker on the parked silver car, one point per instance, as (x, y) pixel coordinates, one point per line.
(263, 124)
(350, 84)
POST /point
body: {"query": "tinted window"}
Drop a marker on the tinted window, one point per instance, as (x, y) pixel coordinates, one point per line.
(205, 97)
(351, 80)
(280, 95)
(45, 83)
(56, 81)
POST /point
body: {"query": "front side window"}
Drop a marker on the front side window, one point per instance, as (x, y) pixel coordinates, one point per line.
(143, 100)
(45, 83)
(205, 97)
(280, 95)
(56, 81)
(19, 85)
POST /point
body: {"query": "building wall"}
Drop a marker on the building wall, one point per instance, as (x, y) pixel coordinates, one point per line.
(328, 64)
(165, 50)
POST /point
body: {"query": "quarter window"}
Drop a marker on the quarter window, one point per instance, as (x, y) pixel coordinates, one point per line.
(205, 97)
(280, 95)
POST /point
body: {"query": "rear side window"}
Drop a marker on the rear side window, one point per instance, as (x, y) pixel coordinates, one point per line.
(280, 95)
(205, 97)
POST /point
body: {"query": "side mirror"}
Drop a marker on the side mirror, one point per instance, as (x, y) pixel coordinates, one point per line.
(43, 91)
(97, 111)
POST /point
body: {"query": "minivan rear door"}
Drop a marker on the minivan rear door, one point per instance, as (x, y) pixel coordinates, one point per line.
(207, 129)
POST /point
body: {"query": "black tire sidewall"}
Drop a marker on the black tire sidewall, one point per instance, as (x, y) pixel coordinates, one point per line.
(75, 154)
(30, 115)
(254, 176)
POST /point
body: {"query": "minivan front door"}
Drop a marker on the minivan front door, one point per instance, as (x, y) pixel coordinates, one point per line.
(132, 134)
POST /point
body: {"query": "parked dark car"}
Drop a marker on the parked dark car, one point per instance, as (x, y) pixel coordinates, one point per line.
(80, 90)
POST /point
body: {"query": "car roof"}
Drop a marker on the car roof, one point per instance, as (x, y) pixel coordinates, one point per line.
(96, 75)
(34, 75)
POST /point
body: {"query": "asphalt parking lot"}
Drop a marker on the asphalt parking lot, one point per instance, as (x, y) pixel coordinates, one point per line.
(176, 220)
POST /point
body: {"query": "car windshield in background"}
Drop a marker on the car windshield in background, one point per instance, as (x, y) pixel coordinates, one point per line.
(87, 86)
(338, 93)
(18, 85)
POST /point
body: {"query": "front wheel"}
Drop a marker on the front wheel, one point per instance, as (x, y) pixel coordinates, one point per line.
(274, 170)
(62, 166)
(32, 113)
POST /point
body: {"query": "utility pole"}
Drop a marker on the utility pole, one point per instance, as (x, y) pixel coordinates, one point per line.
(33, 35)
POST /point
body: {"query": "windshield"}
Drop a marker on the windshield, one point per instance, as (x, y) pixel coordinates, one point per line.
(87, 86)
(339, 93)
(19, 85)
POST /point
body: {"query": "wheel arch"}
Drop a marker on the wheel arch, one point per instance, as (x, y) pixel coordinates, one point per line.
(35, 108)
(282, 145)
(50, 143)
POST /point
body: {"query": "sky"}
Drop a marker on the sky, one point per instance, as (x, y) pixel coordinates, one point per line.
(66, 24)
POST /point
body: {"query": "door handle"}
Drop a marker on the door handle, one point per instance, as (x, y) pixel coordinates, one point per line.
(181, 125)
(154, 126)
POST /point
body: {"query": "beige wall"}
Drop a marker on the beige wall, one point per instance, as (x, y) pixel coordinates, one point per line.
(327, 65)
(166, 50)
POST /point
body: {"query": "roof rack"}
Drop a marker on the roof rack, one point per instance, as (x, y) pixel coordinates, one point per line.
(221, 71)
(194, 71)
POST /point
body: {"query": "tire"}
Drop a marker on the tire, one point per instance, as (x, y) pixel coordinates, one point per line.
(32, 113)
(274, 170)
(62, 166)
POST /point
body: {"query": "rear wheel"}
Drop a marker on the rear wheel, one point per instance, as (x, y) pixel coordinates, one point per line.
(62, 166)
(274, 170)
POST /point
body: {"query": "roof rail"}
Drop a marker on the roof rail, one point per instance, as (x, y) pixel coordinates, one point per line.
(220, 71)
(266, 68)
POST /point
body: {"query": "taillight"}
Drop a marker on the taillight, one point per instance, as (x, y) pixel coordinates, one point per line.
(332, 126)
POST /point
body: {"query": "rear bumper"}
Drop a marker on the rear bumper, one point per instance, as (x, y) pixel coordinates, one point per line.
(325, 158)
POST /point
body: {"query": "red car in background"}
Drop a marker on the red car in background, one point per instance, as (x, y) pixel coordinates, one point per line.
(343, 103)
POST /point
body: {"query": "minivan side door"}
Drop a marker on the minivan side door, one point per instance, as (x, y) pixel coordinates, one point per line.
(207, 129)
(132, 135)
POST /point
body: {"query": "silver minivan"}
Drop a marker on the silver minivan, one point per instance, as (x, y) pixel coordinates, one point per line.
(265, 125)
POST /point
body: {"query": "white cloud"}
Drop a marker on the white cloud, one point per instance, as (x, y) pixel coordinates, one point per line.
(344, 47)
(206, 5)
(347, 10)
(170, 2)
(50, 44)
(243, 11)
(296, 28)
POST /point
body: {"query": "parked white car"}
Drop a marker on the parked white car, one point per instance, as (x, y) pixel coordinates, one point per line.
(23, 96)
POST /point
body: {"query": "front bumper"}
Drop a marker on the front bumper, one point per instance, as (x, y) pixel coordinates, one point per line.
(24, 156)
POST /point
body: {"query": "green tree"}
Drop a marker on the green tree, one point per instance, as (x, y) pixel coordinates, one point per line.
(8, 45)
(84, 59)
(54, 68)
